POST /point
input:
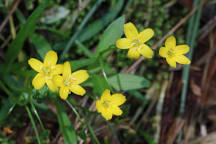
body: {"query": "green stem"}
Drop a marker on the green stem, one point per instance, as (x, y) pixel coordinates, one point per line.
(191, 37)
(74, 110)
(104, 73)
(33, 124)
(87, 17)
(86, 122)
(5, 89)
(91, 130)
(37, 115)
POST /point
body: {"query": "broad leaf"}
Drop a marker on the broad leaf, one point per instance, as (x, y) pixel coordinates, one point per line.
(128, 82)
(111, 35)
(99, 84)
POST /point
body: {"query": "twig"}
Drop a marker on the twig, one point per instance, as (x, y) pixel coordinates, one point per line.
(209, 57)
(179, 128)
(134, 65)
(9, 15)
(159, 109)
(211, 24)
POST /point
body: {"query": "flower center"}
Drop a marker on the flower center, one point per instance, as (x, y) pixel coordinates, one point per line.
(106, 104)
(69, 80)
(136, 42)
(46, 71)
(170, 52)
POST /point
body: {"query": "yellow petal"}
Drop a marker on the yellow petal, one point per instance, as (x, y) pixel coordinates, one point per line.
(51, 85)
(77, 90)
(124, 43)
(130, 30)
(182, 59)
(163, 52)
(116, 111)
(50, 58)
(106, 96)
(38, 81)
(133, 53)
(99, 107)
(80, 76)
(66, 70)
(146, 51)
(171, 62)
(181, 49)
(58, 80)
(35, 64)
(107, 114)
(64, 91)
(170, 42)
(118, 99)
(58, 69)
(146, 34)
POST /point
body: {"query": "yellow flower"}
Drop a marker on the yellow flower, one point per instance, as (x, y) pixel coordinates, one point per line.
(174, 53)
(109, 104)
(46, 70)
(70, 81)
(134, 41)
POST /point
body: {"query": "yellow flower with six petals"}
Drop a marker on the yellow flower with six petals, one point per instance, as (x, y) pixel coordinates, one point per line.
(46, 70)
(70, 81)
(108, 104)
(174, 53)
(134, 41)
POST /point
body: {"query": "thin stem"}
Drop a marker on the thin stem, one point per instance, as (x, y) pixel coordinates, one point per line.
(87, 17)
(37, 115)
(86, 122)
(191, 37)
(33, 124)
(91, 130)
(104, 73)
(9, 15)
(74, 110)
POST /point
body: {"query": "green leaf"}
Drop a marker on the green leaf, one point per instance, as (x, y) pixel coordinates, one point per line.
(111, 35)
(76, 64)
(99, 24)
(41, 44)
(26, 30)
(128, 82)
(85, 50)
(66, 127)
(99, 84)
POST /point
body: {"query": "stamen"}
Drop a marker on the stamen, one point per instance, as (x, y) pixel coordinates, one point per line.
(41, 67)
(48, 78)
(136, 42)
(170, 52)
(140, 47)
(72, 77)
(106, 104)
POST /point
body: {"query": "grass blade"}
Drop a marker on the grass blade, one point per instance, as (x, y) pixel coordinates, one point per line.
(33, 124)
(90, 13)
(86, 121)
(191, 37)
(26, 30)
(98, 25)
(66, 127)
